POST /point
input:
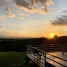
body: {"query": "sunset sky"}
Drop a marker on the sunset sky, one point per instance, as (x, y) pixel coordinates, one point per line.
(32, 18)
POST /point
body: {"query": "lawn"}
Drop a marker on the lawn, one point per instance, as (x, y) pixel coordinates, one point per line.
(12, 59)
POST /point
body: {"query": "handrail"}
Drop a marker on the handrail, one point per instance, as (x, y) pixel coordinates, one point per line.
(56, 62)
(36, 48)
(37, 61)
(47, 48)
(57, 57)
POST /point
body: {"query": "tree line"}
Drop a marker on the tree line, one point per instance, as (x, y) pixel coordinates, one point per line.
(7, 44)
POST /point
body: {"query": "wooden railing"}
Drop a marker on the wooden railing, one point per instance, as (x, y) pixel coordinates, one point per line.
(42, 58)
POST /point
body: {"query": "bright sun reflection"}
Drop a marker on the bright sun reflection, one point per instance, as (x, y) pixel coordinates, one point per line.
(51, 35)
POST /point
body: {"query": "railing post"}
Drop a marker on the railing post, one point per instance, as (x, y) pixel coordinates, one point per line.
(45, 58)
(27, 60)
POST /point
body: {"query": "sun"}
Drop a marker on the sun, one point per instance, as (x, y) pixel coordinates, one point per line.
(52, 35)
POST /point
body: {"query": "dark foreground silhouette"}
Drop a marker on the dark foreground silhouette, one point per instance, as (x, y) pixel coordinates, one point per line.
(19, 45)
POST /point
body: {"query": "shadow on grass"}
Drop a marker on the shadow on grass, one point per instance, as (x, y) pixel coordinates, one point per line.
(14, 59)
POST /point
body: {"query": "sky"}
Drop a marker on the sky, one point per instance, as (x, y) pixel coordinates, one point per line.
(33, 18)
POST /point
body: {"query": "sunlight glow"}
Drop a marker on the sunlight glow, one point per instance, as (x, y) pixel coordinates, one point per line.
(51, 35)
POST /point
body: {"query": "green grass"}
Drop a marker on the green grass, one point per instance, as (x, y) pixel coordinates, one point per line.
(12, 59)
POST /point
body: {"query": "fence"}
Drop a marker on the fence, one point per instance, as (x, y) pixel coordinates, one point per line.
(42, 58)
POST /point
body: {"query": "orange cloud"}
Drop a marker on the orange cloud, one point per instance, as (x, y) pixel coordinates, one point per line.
(22, 16)
(2, 17)
(33, 10)
(10, 14)
(31, 7)
(49, 2)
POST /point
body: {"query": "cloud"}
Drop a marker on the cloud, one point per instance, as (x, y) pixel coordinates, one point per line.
(10, 14)
(8, 0)
(61, 21)
(22, 3)
(2, 17)
(0, 26)
(33, 10)
(4, 5)
(33, 5)
(22, 16)
(30, 6)
(47, 2)
(4, 34)
(52, 9)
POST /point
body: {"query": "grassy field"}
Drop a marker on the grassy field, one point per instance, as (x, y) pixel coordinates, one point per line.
(12, 59)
